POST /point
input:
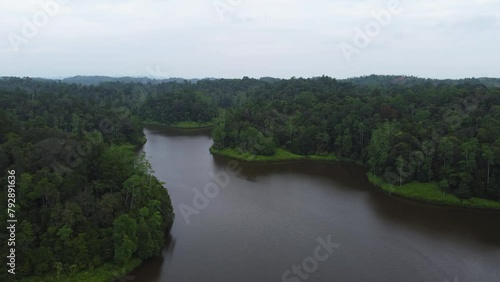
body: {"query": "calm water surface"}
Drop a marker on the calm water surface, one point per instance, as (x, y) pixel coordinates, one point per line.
(269, 217)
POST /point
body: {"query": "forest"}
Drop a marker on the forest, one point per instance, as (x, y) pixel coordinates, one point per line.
(88, 206)
(402, 129)
(87, 200)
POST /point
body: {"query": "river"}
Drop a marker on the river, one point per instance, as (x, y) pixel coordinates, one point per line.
(305, 221)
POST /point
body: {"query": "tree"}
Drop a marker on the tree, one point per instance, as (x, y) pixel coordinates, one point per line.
(418, 158)
(46, 191)
(116, 164)
(463, 191)
(26, 236)
(146, 246)
(132, 187)
(72, 214)
(58, 266)
(443, 185)
(446, 149)
(219, 133)
(469, 149)
(379, 146)
(489, 156)
(124, 251)
(400, 164)
(124, 238)
(42, 258)
(347, 143)
(64, 233)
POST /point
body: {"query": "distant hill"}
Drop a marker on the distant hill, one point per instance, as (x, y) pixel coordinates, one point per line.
(95, 80)
(387, 80)
(490, 81)
(367, 81)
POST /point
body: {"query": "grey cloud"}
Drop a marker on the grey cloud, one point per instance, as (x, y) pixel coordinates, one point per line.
(258, 38)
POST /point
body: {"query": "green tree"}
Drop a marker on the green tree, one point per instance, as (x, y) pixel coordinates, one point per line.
(132, 187)
(124, 238)
(64, 233)
(443, 185)
(489, 156)
(463, 191)
(379, 147)
(124, 251)
(58, 266)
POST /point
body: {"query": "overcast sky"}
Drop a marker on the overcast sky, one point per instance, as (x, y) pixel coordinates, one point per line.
(256, 38)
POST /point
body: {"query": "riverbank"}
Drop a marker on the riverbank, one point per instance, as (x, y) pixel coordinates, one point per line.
(181, 125)
(105, 273)
(423, 192)
(280, 155)
(430, 193)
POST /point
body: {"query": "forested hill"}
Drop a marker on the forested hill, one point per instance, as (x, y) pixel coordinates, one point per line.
(369, 80)
(86, 205)
(388, 80)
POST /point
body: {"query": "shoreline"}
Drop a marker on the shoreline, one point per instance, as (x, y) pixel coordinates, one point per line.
(280, 155)
(430, 193)
(104, 273)
(419, 192)
(180, 125)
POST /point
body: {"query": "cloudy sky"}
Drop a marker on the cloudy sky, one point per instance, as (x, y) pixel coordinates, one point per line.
(235, 38)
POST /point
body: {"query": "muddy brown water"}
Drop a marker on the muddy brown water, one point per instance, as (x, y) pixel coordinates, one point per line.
(266, 224)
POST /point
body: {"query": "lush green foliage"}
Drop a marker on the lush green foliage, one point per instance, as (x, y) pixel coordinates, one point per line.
(104, 273)
(191, 124)
(280, 155)
(85, 198)
(402, 128)
(181, 108)
(431, 193)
